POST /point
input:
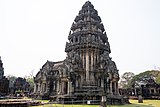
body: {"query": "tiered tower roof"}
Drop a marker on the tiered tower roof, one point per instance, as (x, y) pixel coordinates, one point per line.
(87, 30)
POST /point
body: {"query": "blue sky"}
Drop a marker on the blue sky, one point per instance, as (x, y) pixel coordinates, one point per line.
(34, 31)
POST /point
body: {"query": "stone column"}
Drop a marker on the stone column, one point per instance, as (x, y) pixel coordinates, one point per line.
(78, 39)
(83, 59)
(87, 66)
(95, 58)
(38, 86)
(92, 67)
(150, 91)
(115, 86)
(81, 56)
(35, 87)
(58, 86)
(74, 39)
(92, 58)
(69, 87)
(47, 86)
(111, 88)
(41, 87)
(62, 87)
(108, 87)
(102, 83)
(77, 83)
(155, 91)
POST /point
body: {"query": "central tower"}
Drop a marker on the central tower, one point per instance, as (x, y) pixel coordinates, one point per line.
(91, 70)
(88, 40)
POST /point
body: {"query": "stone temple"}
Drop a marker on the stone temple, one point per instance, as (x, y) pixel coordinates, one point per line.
(88, 73)
(4, 82)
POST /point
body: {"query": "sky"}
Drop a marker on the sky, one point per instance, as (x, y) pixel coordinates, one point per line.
(34, 31)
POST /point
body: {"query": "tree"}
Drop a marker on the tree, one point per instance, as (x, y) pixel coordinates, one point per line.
(31, 84)
(146, 77)
(126, 78)
(158, 79)
(30, 80)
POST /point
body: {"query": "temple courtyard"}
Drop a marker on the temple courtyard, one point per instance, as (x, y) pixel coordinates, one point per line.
(134, 103)
(46, 103)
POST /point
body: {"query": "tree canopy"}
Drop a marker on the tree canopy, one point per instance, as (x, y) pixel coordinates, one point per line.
(152, 76)
(129, 79)
(126, 79)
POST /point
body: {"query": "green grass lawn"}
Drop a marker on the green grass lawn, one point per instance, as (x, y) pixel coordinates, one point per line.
(146, 103)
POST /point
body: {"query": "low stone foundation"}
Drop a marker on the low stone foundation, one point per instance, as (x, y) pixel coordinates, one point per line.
(14, 104)
(19, 103)
(111, 100)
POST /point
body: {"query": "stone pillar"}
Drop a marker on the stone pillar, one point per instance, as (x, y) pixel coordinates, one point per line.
(58, 86)
(78, 39)
(81, 56)
(83, 52)
(35, 87)
(69, 87)
(74, 39)
(44, 90)
(108, 87)
(45, 87)
(155, 91)
(62, 87)
(115, 86)
(102, 83)
(77, 83)
(111, 88)
(87, 66)
(97, 56)
(92, 67)
(41, 87)
(150, 91)
(92, 58)
(95, 59)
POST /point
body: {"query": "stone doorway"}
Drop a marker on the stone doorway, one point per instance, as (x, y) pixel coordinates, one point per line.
(65, 88)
